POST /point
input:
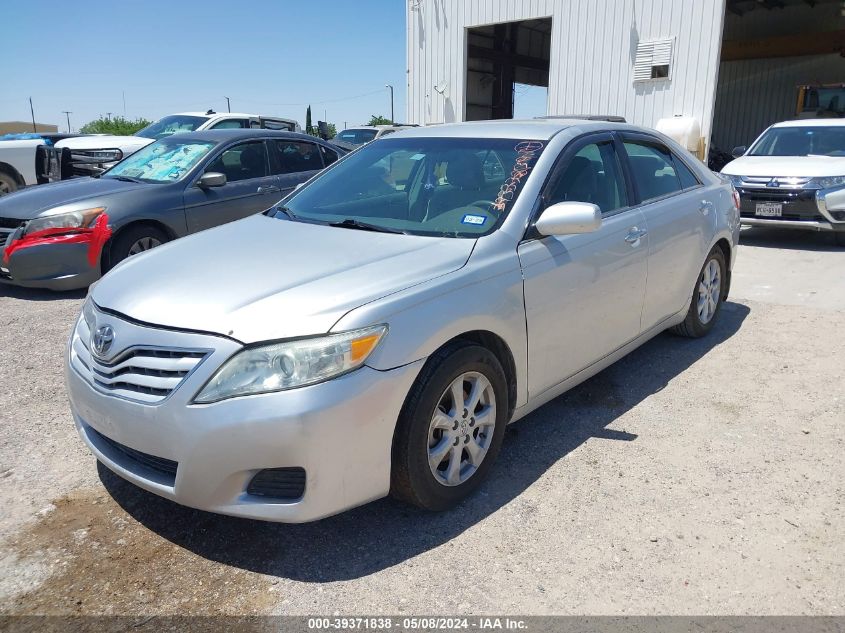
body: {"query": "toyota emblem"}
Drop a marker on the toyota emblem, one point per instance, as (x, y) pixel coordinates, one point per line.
(102, 340)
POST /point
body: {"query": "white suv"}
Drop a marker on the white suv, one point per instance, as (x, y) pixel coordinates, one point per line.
(793, 176)
(91, 155)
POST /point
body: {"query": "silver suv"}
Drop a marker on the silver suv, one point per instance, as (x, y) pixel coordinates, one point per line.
(376, 331)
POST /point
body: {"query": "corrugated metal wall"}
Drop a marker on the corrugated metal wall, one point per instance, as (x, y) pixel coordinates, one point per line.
(755, 93)
(593, 47)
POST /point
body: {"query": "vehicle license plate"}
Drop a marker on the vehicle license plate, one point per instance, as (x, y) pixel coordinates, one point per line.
(769, 209)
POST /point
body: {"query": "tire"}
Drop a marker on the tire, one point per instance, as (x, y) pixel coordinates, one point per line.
(7, 183)
(131, 241)
(418, 432)
(701, 318)
(839, 236)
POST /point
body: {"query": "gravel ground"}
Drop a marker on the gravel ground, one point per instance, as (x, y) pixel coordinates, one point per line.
(692, 477)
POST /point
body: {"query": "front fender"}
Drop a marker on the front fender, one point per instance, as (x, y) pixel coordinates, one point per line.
(486, 295)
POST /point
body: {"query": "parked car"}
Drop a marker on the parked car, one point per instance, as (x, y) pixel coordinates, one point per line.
(793, 177)
(376, 331)
(30, 159)
(66, 234)
(366, 133)
(93, 154)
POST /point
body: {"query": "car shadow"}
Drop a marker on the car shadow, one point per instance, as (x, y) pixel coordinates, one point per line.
(789, 239)
(38, 294)
(386, 532)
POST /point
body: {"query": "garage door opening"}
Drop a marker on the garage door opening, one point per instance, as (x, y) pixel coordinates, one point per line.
(781, 60)
(501, 56)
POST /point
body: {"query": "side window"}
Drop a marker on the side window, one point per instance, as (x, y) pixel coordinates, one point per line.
(653, 170)
(329, 156)
(297, 156)
(593, 175)
(686, 176)
(242, 162)
(230, 124)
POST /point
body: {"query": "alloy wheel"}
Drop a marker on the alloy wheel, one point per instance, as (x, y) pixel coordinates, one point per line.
(144, 244)
(461, 429)
(709, 291)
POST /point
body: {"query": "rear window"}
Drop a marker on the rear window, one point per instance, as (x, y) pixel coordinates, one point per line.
(653, 170)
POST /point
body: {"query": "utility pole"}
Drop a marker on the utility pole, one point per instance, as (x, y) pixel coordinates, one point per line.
(124, 103)
(228, 105)
(67, 113)
(108, 115)
(391, 102)
(32, 112)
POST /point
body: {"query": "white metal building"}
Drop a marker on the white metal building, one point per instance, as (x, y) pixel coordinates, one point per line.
(733, 65)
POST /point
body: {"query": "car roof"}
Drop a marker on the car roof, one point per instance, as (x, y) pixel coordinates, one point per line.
(233, 134)
(234, 115)
(811, 123)
(533, 129)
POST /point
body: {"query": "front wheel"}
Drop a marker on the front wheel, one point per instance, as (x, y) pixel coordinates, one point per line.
(7, 184)
(451, 427)
(132, 241)
(707, 297)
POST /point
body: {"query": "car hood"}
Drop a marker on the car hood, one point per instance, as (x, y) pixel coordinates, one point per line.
(70, 195)
(262, 278)
(130, 143)
(784, 166)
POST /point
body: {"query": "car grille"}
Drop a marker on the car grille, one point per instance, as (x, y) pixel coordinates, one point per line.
(798, 204)
(133, 459)
(783, 181)
(278, 483)
(10, 223)
(142, 374)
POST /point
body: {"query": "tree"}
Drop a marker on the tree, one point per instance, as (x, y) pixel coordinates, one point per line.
(308, 128)
(118, 126)
(377, 119)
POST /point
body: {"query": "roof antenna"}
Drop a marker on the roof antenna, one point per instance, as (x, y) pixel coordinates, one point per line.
(210, 111)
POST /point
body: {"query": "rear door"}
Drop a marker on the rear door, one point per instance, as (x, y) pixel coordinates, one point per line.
(294, 162)
(681, 224)
(584, 293)
(249, 188)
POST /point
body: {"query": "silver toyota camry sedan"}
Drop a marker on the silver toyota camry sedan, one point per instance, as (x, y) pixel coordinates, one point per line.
(376, 331)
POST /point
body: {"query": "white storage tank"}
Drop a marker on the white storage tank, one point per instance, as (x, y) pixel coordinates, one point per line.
(686, 130)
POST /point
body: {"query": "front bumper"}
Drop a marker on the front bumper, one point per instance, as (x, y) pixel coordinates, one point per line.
(340, 432)
(804, 209)
(53, 266)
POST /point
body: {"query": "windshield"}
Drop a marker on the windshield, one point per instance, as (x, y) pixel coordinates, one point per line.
(167, 160)
(357, 137)
(801, 141)
(455, 187)
(173, 124)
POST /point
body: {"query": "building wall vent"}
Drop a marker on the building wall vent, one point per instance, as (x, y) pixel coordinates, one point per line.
(654, 60)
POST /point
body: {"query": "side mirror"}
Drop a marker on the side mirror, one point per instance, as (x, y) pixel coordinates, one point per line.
(211, 179)
(736, 152)
(568, 218)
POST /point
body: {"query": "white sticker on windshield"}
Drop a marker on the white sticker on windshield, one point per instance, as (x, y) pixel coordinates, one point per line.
(474, 219)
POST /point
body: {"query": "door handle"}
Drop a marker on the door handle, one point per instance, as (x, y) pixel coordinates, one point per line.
(635, 235)
(269, 189)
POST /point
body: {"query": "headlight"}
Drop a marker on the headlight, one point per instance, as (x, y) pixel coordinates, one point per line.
(104, 155)
(291, 364)
(830, 181)
(76, 220)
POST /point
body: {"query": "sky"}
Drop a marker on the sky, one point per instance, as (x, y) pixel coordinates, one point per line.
(270, 57)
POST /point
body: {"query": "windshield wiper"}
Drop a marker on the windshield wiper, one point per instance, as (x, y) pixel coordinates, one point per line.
(351, 223)
(126, 179)
(291, 215)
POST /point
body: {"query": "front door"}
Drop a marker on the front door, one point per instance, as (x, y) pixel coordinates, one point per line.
(249, 188)
(584, 293)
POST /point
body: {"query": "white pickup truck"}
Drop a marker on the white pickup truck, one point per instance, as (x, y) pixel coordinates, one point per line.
(25, 162)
